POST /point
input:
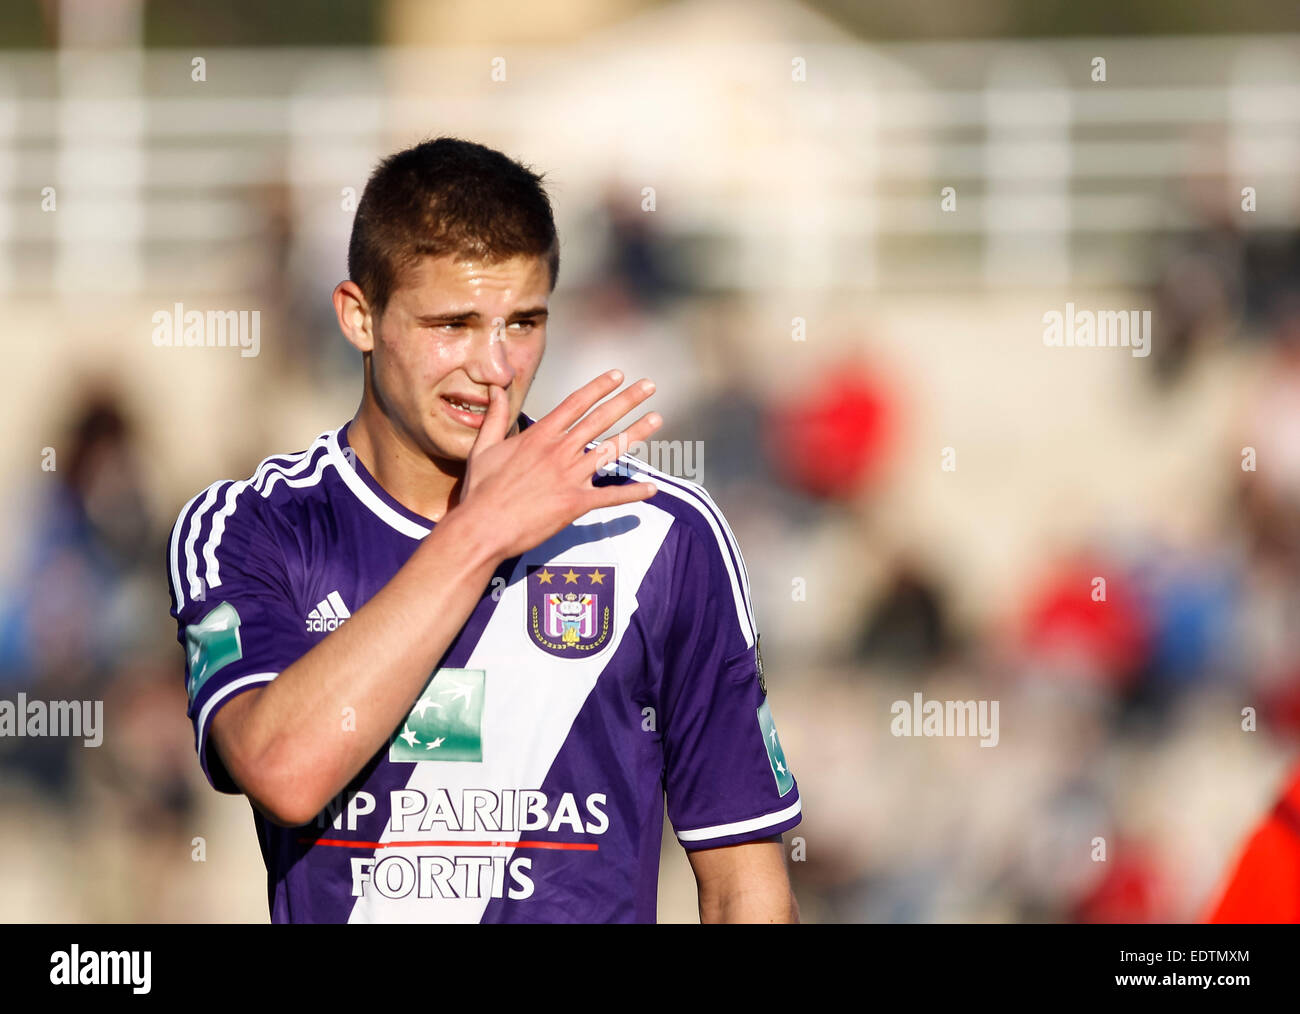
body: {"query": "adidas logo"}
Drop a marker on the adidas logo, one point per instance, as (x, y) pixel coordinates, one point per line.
(328, 614)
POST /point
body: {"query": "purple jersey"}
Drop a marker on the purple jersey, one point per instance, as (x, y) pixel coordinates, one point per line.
(611, 666)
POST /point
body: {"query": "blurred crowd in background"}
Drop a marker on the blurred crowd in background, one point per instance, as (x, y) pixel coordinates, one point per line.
(1141, 733)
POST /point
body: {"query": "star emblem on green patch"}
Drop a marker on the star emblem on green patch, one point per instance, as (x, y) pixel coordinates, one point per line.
(211, 644)
(446, 721)
(775, 754)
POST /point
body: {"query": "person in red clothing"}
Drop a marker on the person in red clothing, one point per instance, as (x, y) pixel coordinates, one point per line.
(1265, 884)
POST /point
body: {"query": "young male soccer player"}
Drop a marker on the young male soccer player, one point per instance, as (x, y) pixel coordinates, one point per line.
(453, 664)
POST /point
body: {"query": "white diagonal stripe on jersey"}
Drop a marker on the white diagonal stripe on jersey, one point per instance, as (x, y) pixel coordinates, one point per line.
(323, 607)
(682, 489)
(531, 699)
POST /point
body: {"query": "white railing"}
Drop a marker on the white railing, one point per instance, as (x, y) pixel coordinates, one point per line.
(833, 182)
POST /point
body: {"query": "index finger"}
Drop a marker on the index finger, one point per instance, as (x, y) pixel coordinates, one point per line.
(496, 421)
(575, 406)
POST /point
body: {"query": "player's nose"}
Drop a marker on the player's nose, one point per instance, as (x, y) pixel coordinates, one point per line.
(487, 362)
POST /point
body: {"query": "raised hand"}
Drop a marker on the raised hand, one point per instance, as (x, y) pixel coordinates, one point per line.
(537, 482)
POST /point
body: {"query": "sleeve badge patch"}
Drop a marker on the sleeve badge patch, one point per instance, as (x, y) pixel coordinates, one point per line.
(775, 754)
(210, 645)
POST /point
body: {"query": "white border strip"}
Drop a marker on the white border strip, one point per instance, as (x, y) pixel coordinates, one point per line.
(175, 551)
(692, 487)
(739, 590)
(367, 495)
(222, 694)
(741, 826)
(196, 525)
(269, 467)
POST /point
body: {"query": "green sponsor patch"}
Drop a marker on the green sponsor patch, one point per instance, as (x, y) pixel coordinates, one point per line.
(446, 723)
(210, 644)
(775, 755)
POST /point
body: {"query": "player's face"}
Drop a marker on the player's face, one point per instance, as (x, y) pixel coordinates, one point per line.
(452, 330)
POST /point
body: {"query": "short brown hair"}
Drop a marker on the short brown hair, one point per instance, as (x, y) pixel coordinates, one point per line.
(442, 197)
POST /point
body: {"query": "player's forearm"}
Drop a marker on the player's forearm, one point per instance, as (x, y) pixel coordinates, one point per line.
(312, 729)
(744, 883)
(767, 902)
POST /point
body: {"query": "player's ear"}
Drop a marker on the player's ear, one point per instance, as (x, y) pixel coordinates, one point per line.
(353, 312)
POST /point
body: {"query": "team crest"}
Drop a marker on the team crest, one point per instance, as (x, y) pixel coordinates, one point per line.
(571, 608)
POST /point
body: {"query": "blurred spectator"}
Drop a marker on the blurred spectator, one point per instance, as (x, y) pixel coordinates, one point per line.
(68, 618)
(637, 258)
(1086, 622)
(1264, 882)
(831, 434)
(908, 627)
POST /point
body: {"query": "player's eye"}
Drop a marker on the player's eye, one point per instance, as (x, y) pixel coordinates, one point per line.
(523, 326)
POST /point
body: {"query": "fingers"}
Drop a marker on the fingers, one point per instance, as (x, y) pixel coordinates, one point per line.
(617, 445)
(496, 421)
(616, 496)
(572, 408)
(605, 415)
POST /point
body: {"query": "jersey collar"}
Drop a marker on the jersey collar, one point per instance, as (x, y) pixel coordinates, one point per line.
(366, 488)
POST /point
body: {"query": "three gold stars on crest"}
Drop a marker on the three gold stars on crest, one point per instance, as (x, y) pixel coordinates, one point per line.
(571, 577)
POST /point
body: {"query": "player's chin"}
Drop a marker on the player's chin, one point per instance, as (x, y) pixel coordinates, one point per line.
(450, 442)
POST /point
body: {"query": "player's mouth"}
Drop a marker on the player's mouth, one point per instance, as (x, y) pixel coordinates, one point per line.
(468, 410)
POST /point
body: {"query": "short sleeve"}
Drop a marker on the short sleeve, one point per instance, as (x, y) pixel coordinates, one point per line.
(233, 607)
(726, 776)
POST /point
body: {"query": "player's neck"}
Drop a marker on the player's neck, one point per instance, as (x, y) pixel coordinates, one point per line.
(409, 476)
